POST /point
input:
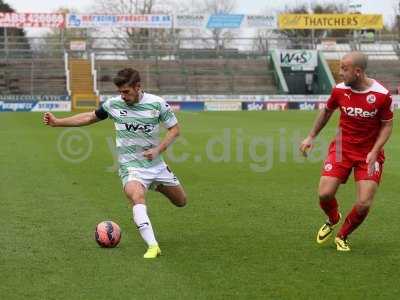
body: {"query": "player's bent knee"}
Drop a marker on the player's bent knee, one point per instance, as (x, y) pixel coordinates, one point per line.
(326, 196)
(362, 207)
(135, 198)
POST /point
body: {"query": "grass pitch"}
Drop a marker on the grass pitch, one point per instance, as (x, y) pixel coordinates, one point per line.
(248, 231)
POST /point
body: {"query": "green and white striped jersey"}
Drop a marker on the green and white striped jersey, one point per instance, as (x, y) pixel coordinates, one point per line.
(138, 128)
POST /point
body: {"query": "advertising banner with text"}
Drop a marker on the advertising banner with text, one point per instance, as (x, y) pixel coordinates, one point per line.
(135, 21)
(330, 21)
(22, 20)
(225, 21)
(298, 59)
(13, 106)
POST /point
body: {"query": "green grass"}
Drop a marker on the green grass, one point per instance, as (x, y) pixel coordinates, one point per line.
(243, 234)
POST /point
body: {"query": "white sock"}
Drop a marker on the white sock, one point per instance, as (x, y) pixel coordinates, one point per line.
(143, 223)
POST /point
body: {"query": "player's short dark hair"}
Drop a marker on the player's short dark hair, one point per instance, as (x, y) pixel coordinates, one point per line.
(127, 76)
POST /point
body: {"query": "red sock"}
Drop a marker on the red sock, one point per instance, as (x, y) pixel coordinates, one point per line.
(353, 220)
(330, 207)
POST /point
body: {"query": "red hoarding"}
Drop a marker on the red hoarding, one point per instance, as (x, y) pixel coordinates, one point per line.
(21, 20)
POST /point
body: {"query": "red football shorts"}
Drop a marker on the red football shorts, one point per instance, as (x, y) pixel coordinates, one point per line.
(339, 164)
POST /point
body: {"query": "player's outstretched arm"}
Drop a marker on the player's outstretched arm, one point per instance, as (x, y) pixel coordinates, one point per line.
(81, 119)
(319, 123)
(172, 133)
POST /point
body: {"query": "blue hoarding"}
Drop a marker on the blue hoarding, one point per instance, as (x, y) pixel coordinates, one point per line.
(225, 21)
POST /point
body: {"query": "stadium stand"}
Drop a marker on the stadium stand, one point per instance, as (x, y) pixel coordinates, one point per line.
(375, 51)
(334, 51)
(107, 69)
(178, 68)
(381, 51)
(194, 76)
(253, 77)
(385, 71)
(32, 77)
(334, 65)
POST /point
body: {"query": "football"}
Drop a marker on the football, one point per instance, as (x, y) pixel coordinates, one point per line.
(107, 234)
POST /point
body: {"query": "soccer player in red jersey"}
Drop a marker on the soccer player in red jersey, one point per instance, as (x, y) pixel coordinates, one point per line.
(366, 114)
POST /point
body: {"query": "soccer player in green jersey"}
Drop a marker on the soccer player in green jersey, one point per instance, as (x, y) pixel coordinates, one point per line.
(137, 117)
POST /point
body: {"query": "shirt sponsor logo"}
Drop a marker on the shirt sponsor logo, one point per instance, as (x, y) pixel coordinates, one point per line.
(146, 128)
(359, 112)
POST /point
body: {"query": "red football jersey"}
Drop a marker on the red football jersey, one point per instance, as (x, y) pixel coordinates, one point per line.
(362, 114)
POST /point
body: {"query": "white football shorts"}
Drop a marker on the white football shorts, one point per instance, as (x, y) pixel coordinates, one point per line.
(151, 177)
